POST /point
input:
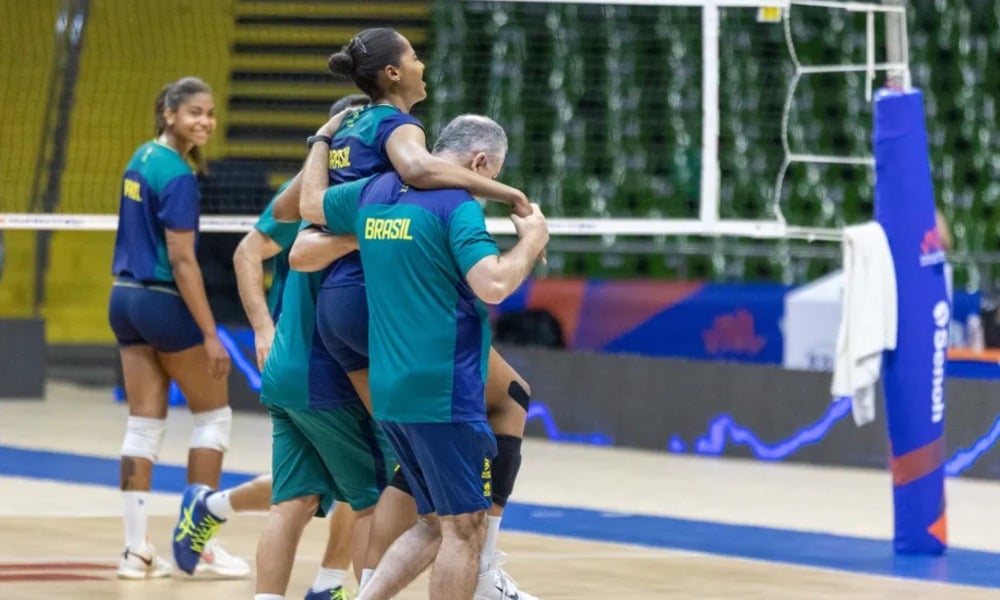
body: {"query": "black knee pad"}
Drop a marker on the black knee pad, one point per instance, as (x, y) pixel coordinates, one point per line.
(505, 467)
(519, 394)
(399, 482)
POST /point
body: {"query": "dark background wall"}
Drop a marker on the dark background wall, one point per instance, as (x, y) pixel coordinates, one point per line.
(726, 409)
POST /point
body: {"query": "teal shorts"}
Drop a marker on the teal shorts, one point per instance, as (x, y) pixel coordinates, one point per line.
(337, 454)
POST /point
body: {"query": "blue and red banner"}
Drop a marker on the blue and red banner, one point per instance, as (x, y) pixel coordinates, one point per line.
(689, 319)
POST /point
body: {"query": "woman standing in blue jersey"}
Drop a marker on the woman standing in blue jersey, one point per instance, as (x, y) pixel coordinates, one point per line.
(160, 316)
(383, 137)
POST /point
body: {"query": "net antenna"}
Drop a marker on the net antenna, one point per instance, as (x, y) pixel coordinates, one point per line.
(709, 222)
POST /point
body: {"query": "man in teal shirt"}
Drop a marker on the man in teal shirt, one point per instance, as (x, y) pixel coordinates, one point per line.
(325, 445)
(429, 264)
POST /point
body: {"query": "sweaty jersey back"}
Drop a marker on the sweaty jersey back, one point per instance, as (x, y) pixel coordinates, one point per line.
(429, 336)
(359, 150)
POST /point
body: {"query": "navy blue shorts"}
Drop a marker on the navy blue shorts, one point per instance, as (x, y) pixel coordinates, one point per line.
(342, 323)
(329, 385)
(447, 465)
(153, 315)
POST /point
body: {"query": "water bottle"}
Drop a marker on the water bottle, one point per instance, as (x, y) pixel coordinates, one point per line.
(956, 335)
(974, 332)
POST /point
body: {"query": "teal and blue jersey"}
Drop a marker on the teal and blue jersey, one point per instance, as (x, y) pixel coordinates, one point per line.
(292, 301)
(283, 233)
(429, 337)
(359, 150)
(159, 192)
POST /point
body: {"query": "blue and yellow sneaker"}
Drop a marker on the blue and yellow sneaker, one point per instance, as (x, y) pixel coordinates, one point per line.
(195, 527)
(337, 593)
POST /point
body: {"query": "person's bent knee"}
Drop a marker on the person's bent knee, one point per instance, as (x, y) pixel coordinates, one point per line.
(467, 526)
(430, 522)
(144, 438)
(212, 429)
(299, 509)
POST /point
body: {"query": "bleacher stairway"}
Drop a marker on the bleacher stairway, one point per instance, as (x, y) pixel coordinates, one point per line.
(280, 88)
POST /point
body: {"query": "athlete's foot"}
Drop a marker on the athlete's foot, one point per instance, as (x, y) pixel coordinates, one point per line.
(216, 560)
(496, 584)
(142, 563)
(337, 593)
(195, 527)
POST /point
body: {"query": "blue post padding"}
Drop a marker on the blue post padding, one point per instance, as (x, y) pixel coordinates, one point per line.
(914, 372)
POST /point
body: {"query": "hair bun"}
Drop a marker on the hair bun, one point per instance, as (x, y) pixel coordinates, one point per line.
(341, 63)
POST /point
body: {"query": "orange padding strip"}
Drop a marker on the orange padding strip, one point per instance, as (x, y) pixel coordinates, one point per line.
(991, 355)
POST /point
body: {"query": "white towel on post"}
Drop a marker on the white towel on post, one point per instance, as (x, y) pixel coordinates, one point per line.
(869, 319)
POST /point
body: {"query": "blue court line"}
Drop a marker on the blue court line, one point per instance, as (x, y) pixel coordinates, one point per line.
(859, 555)
(66, 467)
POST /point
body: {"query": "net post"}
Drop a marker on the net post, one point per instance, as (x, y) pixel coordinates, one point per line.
(708, 211)
(896, 45)
(914, 372)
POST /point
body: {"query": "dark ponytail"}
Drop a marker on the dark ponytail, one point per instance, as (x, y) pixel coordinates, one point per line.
(159, 119)
(366, 55)
(172, 96)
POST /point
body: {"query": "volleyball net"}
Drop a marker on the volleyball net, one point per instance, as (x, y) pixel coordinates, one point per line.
(653, 133)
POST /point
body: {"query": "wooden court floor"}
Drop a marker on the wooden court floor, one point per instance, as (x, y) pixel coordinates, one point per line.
(80, 551)
(60, 532)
